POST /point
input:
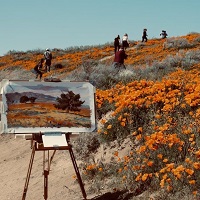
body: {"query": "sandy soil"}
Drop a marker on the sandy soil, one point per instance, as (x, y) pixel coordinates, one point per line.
(14, 161)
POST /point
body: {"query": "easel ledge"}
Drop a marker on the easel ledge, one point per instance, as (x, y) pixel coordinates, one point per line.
(38, 145)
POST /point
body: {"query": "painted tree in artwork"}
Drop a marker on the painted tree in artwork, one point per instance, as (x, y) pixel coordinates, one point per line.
(25, 99)
(69, 101)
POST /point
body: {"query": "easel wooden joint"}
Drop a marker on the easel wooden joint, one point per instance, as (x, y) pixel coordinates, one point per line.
(37, 145)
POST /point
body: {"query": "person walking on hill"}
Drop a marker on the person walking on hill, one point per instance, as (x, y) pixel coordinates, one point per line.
(125, 42)
(120, 56)
(144, 36)
(163, 34)
(38, 67)
(117, 43)
(48, 58)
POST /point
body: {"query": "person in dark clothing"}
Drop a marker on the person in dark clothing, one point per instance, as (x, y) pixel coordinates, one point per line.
(144, 36)
(120, 56)
(48, 58)
(38, 67)
(117, 43)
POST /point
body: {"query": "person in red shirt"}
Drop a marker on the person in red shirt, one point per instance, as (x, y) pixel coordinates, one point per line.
(120, 56)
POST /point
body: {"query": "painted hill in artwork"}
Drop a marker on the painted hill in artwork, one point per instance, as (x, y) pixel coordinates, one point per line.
(15, 97)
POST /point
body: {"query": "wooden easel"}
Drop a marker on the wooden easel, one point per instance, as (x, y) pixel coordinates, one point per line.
(37, 145)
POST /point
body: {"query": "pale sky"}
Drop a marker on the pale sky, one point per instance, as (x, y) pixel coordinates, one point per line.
(40, 24)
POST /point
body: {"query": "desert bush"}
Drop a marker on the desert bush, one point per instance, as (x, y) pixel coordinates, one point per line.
(182, 60)
(85, 145)
(178, 43)
(12, 68)
(197, 40)
(101, 76)
(191, 58)
(36, 51)
(12, 52)
(2, 64)
(139, 45)
(58, 66)
(158, 70)
(155, 72)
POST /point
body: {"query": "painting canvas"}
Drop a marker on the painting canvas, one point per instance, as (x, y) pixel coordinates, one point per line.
(34, 107)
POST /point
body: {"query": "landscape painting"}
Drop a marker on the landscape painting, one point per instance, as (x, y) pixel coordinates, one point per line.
(33, 107)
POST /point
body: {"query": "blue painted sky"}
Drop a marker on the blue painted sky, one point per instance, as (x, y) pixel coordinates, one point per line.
(40, 24)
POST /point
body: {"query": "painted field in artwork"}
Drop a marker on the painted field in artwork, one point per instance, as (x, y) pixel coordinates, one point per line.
(41, 114)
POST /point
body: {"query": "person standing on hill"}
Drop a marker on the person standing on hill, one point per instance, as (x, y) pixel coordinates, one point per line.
(125, 42)
(144, 36)
(117, 43)
(120, 56)
(38, 67)
(48, 58)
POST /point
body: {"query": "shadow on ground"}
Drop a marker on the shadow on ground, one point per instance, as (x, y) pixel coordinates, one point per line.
(119, 195)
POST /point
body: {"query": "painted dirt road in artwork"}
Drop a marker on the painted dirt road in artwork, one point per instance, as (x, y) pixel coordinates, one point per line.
(40, 114)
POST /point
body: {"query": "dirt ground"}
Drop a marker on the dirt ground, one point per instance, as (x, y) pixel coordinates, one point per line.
(14, 161)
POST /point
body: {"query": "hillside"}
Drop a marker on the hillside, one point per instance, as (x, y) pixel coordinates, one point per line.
(147, 145)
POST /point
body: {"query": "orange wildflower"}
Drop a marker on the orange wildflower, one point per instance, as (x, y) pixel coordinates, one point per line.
(144, 177)
(120, 170)
(150, 163)
(162, 183)
(196, 165)
(100, 169)
(123, 124)
(138, 178)
(192, 182)
(194, 192)
(140, 129)
(160, 156)
(138, 137)
(109, 126)
(165, 160)
(189, 171)
(116, 153)
(169, 187)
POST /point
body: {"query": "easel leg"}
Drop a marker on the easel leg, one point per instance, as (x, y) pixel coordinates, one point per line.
(77, 172)
(29, 172)
(46, 173)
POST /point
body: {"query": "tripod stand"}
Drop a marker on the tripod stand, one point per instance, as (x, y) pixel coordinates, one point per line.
(37, 145)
